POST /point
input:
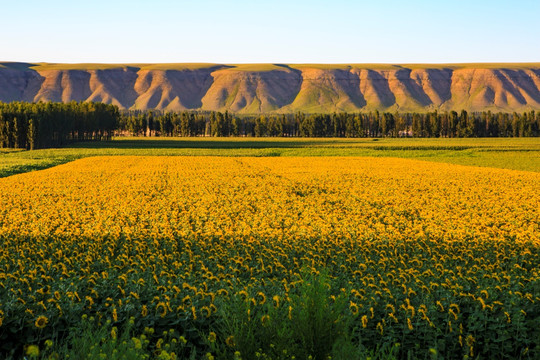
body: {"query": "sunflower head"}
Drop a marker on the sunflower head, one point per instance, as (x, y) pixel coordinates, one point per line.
(364, 321)
(161, 308)
(275, 298)
(32, 351)
(261, 297)
(354, 308)
(230, 341)
(41, 322)
(205, 310)
(265, 320)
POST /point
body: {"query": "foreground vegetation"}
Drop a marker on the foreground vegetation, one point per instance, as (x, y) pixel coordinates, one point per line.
(270, 258)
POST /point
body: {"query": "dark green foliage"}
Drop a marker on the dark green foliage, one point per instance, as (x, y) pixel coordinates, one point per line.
(45, 125)
(351, 125)
(305, 327)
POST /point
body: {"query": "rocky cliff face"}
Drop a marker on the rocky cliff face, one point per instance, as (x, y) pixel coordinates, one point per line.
(279, 88)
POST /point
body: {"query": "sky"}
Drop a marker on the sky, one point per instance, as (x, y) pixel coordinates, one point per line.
(278, 31)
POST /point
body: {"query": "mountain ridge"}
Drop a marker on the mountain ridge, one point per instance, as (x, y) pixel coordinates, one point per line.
(266, 88)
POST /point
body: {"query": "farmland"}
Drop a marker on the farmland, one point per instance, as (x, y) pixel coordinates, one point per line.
(272, 249)
(507, 153)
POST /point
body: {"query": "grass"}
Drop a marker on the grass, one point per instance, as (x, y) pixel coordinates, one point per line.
(508, 153)
(259, 67)
(181, 66)
(455, 66)
(270, 67)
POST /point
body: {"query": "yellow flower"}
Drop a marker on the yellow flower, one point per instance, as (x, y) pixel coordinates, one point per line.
(161, 308)
(144, 311)
(456, 307)
(380, 328)
(137, 343)
(481, 302)
(265, 319)
(41, 322)
(206, 312)
(230, 341)
(262, 297)
(275, 298)
(115, 315)
(354, 308)
(409, 324)
(212, 337)
(243, 294)
(364, 321)
(469, 340)
(114, 333)
(485, 293)
(32, 351)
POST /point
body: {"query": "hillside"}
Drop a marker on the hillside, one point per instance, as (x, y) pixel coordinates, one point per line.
(256, 88)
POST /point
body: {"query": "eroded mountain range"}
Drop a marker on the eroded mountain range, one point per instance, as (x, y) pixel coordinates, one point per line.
(260, 88)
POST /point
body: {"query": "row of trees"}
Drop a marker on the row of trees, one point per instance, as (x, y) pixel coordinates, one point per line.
(372, 124)
(43, 125)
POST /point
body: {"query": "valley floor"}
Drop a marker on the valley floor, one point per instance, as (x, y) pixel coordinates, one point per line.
(271, 249)
(506, 153)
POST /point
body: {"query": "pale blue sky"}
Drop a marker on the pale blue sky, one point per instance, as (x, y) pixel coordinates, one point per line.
(279, 31)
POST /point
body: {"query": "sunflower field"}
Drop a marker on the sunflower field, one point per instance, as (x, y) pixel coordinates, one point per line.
(272, 258)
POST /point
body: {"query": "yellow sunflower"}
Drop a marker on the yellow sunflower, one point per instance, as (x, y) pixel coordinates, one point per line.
(41, 322)
(230, 341)
(354, 308)
(161, 308)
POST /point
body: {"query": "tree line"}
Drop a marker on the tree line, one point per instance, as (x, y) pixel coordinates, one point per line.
(373, 124)
(43, 125)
